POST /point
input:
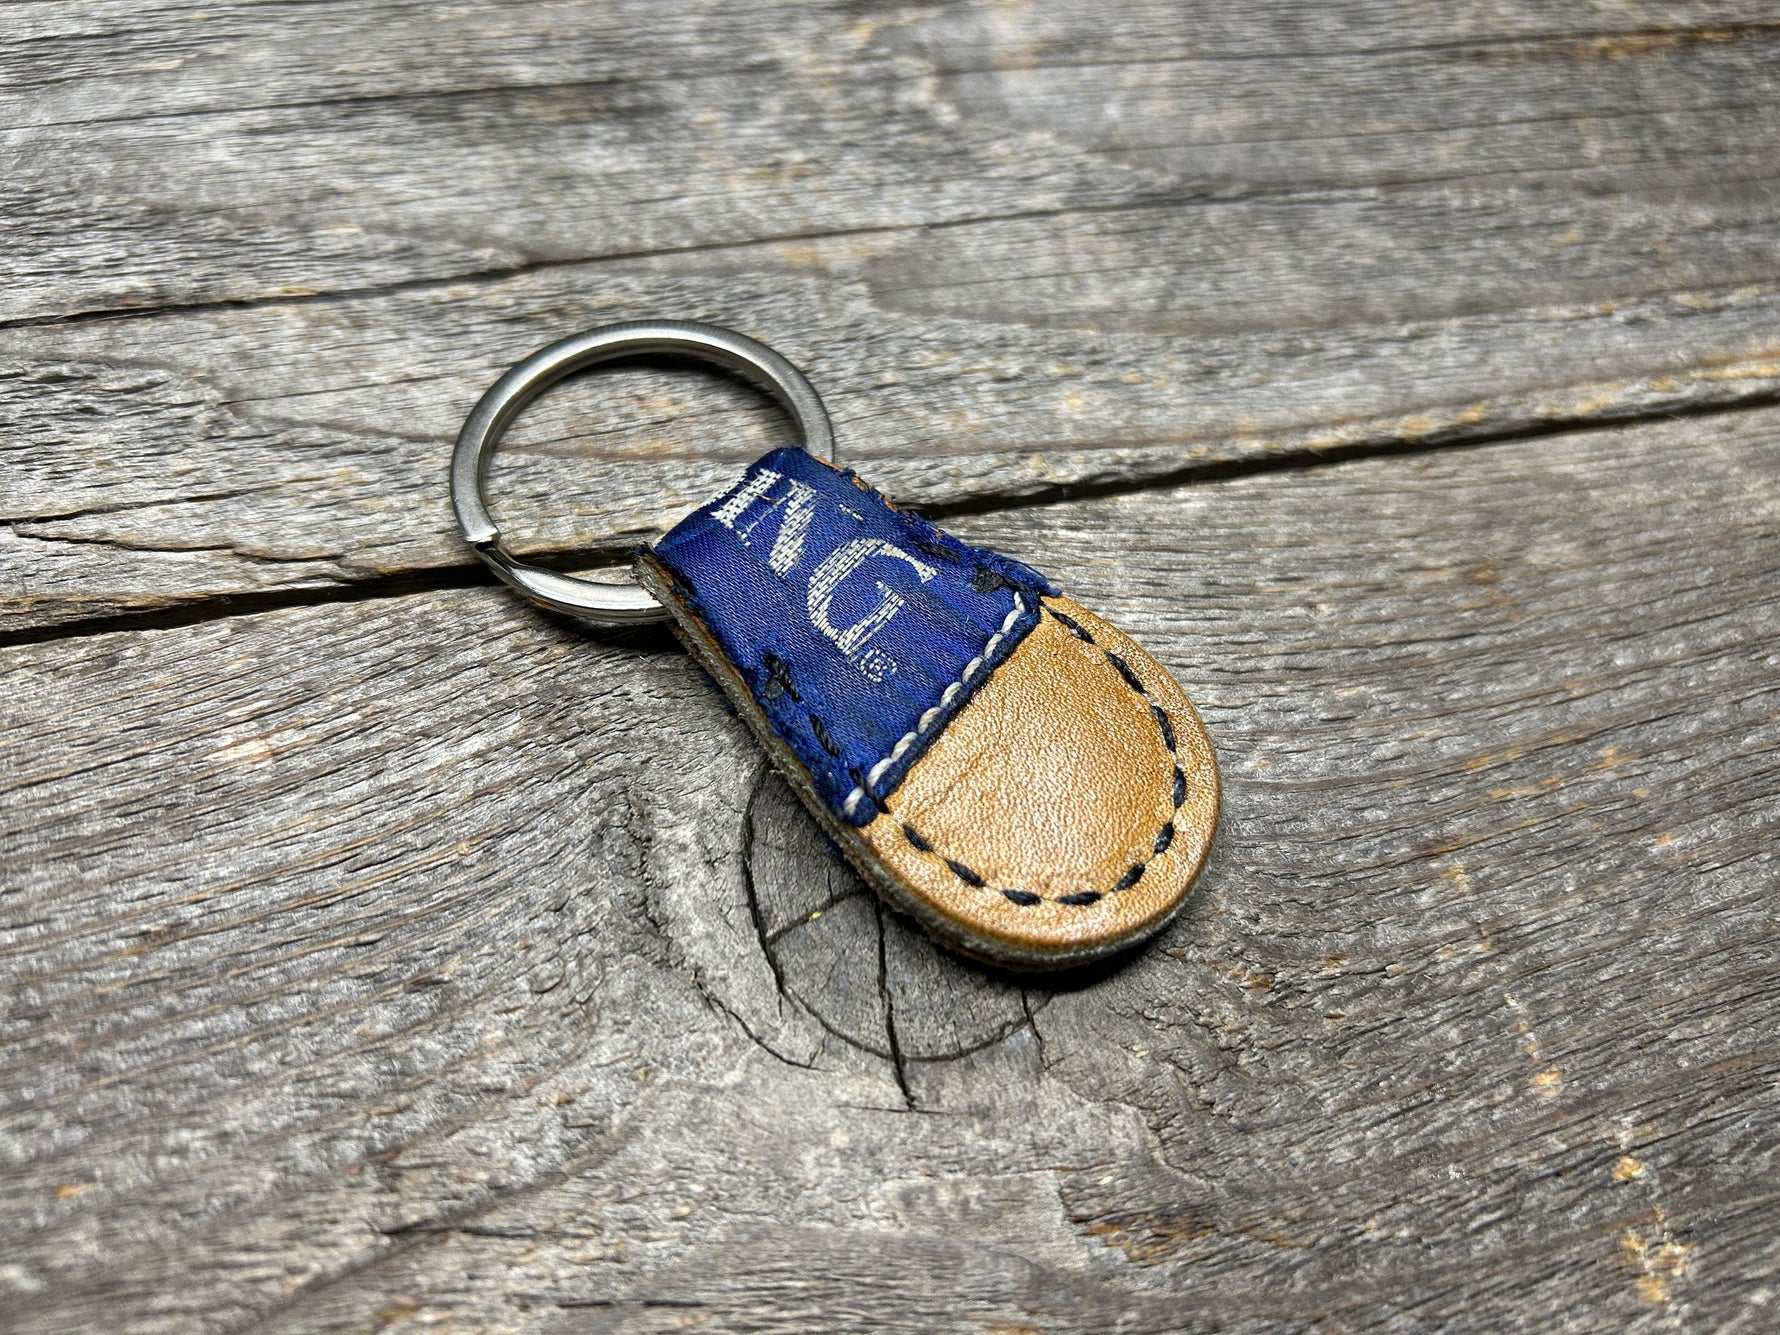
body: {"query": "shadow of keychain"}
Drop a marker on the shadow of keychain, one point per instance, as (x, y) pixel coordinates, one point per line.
(1000, 764)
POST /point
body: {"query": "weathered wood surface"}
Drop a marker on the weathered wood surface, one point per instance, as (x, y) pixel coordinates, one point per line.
(261, 259)
(424, 957)
(377, 952)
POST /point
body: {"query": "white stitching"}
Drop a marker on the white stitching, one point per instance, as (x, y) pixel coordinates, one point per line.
(909, 738)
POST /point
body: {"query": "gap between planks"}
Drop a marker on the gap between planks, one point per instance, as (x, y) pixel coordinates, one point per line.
(471, 573)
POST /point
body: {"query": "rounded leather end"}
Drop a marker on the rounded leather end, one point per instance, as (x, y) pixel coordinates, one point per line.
(1064, 812)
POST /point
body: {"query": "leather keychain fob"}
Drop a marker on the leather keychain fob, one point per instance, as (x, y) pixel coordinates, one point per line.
(999, 763)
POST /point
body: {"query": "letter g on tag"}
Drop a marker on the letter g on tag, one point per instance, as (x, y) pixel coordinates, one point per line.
(835, 567)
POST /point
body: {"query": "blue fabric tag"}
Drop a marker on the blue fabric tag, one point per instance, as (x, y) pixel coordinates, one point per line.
(859, 629)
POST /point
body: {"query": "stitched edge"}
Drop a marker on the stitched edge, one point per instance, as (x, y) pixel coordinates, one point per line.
(863, 785)
(1164, 836)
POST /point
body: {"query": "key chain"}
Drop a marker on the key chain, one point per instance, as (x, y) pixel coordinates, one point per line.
(1000, 764)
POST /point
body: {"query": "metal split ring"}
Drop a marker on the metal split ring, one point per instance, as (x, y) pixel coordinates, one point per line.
(593, 600)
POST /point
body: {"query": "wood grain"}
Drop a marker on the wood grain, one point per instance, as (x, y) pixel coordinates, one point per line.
(262, 258)
(378, 953)
(421, 960)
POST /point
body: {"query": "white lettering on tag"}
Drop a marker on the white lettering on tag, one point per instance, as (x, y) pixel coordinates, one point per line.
(795, 513)
(851, 640)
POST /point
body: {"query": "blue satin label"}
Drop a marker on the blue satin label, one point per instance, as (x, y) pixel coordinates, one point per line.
(859, 629)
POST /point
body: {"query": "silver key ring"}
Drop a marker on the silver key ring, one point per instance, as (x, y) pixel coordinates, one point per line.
(592, 600)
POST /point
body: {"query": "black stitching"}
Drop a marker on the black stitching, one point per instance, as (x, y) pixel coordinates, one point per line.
(937, 552)
(1073, 627)
(988, 581)
(821, 731)
(1129, 676)
(1163, 723)
(1164, 836)
(778, 679)
(964, 873)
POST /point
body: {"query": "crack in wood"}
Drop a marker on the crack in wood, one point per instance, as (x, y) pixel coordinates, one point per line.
(211, 607)
(504, 273)
(896, 1060)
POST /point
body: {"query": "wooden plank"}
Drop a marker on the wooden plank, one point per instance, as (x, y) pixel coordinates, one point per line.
(170, 156)
(279, 450)
(1021, 249)
(424, 959)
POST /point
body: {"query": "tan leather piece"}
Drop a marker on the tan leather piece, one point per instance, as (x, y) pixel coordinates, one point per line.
(1052, 780)
(1055, 780)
